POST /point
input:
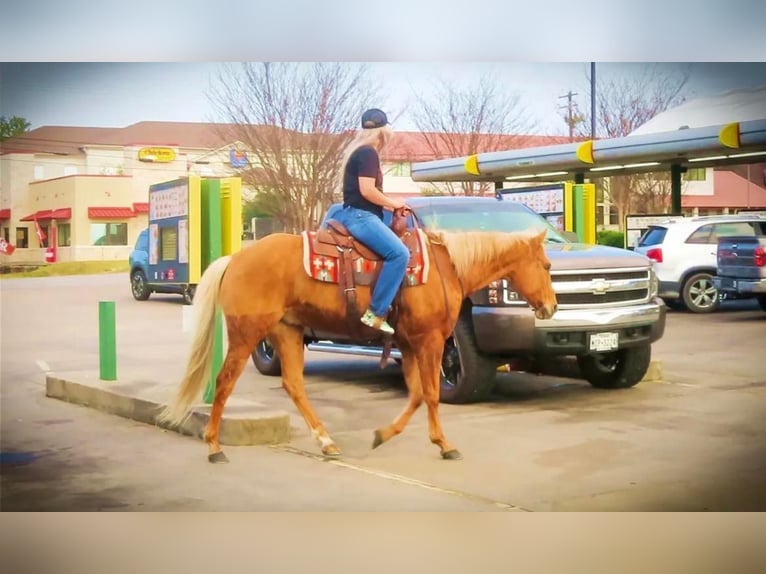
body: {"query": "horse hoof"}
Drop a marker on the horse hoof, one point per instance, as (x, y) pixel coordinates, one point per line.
(378, 440)
(331, 451)
(453, 454)
(217, 458)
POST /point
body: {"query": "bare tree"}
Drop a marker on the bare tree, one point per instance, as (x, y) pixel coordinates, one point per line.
(458, 121)
(622, 105)
(293, 120)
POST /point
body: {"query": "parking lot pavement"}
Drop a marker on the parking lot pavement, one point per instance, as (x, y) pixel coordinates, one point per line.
(693, 441)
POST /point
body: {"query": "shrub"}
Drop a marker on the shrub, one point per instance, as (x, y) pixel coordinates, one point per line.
(612, 238)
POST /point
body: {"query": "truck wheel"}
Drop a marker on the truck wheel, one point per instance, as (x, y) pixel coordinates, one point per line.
(266, 359)
(616, 370)
(466, 375)
(138, 286)
(699, 294)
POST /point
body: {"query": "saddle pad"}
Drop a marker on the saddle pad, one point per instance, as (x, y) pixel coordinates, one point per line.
(325, 268)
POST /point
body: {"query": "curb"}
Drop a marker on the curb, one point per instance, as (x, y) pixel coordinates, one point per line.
(242, 424)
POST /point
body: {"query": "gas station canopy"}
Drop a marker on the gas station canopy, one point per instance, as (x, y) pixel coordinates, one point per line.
(711, 146)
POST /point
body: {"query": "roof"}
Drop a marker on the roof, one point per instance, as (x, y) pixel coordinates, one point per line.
(732, 106)
(110, 212)
(68, 140)
(708, 146)
(404, 146)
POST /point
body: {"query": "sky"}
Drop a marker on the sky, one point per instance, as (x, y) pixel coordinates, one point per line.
(118, 94)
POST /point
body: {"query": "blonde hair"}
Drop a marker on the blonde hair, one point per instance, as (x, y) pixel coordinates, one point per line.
(376, 137)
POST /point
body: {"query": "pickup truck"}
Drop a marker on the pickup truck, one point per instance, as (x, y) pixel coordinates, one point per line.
(609, 313)
(741, 271)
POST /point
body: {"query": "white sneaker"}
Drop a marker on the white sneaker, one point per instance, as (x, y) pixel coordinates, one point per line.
(378, 323)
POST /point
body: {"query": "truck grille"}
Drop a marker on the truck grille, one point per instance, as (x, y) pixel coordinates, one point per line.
(596, 288)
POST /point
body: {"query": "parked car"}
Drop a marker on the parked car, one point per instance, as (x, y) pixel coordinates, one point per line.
(684, 252)
(144, 282)
(609, 313)
(741, 272)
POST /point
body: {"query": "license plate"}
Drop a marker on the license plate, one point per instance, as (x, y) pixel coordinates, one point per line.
(604, 341)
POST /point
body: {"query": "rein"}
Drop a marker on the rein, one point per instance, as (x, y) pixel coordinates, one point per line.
(418, 225)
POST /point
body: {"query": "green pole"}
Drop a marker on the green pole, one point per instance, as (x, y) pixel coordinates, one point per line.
(107, 341)
(579, 211)
(675, 189)
(212, 249)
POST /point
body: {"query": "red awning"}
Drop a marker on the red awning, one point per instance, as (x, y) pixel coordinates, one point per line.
(110, 212)
(46, 214)
(141, 207)
(5, 213)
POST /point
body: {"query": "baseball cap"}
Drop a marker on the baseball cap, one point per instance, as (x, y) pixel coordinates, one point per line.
(374, 118)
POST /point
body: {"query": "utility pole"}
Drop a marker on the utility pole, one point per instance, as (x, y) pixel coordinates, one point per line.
(593, 100)
(572, 120)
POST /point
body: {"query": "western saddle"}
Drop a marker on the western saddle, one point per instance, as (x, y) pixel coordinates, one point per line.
(334, 240)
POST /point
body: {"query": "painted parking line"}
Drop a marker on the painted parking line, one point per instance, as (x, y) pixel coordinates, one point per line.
(401, 479)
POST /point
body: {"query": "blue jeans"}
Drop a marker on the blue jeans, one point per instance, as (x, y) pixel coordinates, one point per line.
(369, 229)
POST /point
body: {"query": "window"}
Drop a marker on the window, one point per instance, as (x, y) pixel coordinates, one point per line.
(70, 170)
(696, 174)
(22, 237)
(735, 228)
(168, 244)
(7, 234)
(39, 172)
(109, 233)
(64, 231)
(702, 235)
(653, 236)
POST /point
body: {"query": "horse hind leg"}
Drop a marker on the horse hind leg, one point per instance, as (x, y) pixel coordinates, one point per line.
(414, 400)
(288, 341)
(233, 365)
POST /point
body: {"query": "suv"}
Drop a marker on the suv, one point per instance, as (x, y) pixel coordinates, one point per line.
(684, 252)
(608, 310)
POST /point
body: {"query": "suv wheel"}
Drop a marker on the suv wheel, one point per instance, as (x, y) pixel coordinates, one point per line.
(266, 359)
(466, 375)
(188, 294)
(762, 301)
(139, 287)
(618, 369)
(699, 294)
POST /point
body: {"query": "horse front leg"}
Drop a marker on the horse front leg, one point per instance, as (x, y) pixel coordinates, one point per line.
(414, 399)
(429, 363)
(288, 341)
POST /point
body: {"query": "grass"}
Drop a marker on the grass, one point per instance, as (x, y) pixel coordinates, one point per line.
(71, 268)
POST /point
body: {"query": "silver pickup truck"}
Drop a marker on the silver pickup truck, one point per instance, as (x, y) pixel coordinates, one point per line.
(609, 313)
(741, 272)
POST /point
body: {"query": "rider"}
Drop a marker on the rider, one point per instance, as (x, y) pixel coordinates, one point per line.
(362, 213)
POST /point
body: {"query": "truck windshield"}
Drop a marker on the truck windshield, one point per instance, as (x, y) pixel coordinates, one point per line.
(503, 216)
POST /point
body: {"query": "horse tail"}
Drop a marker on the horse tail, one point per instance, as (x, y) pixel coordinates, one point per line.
(201, 353)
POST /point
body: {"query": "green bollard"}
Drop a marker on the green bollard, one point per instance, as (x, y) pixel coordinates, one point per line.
(107, 341)
(212, 249)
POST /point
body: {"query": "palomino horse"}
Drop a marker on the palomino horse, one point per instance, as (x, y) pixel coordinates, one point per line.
(264, 291)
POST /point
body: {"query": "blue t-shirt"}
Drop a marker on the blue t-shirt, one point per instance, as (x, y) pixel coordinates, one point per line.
(363, 162)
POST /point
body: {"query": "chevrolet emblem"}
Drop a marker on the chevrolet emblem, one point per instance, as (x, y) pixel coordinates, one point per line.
(599, 286)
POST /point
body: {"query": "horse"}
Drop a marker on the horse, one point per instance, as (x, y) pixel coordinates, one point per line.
(265, 292)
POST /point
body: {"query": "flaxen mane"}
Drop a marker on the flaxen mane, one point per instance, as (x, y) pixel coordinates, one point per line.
(467, 248)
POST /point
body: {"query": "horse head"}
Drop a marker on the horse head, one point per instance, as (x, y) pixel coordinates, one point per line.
(531, 277)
